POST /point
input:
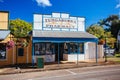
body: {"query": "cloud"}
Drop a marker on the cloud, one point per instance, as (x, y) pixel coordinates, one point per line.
(43, 3)
(118, 6)
(1, 1)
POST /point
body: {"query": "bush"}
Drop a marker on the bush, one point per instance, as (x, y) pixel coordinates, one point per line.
(117, 55)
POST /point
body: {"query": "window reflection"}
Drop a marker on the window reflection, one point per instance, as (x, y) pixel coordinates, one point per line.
(2, 51)
(44, 48)
(73, 47)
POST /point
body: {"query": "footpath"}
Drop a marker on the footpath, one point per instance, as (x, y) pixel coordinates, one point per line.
(55, 66)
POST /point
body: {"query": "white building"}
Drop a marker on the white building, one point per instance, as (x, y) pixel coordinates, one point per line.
(60, 37)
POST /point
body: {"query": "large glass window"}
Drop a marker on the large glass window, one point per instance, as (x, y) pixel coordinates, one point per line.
(2, 51)
(44, 48)
(81, 48)
(73, 47)
(66, 45)
(76, 48)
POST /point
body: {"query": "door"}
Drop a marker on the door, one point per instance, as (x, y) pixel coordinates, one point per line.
(59, 50)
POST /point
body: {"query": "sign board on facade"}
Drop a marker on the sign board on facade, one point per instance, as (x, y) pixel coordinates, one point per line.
(58, 21)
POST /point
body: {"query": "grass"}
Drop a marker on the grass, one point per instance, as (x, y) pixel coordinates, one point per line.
(117, 55)
(114, 59)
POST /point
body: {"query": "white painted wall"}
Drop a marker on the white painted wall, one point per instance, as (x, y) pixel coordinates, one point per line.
(38, 22)
(74, 57)
(37, 19)
(47, 58)
(56, 15)
(81, 24)
(90, 51)
(63, 15)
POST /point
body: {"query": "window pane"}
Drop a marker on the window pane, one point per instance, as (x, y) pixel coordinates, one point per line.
(44, 48)
(81, 47)
(37, 49)
(48, 48)
(73, 48)
(2, 51)
(66, 48)
(20, 51)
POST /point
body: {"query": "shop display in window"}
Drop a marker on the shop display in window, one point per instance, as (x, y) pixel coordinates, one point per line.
(44, 48)
(2, 51)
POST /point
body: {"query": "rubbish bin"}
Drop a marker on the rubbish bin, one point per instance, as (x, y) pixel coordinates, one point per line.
(40, 62)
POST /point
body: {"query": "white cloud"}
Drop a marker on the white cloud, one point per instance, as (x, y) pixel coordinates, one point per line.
(1, 1)
(43, 3)
(117, 6)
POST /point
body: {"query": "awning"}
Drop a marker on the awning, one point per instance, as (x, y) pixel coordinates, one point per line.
(62, 36)
(4, 34)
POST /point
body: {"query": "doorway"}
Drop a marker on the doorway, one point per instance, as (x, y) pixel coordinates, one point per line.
(59, 49)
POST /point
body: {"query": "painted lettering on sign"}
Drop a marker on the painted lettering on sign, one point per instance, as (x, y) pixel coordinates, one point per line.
(60, 23)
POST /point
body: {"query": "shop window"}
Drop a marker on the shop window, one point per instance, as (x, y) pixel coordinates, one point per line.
(66, 45)
(41, 48)
(48, 48)
(81, 48)
(73, 47)
(2, 51)
(20, 52)
(77, 48)
(44, 48)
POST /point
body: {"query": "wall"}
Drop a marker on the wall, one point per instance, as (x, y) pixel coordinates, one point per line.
(73, 57)
(11, 56)
(58, 21)
(90, 52)
(4, 20)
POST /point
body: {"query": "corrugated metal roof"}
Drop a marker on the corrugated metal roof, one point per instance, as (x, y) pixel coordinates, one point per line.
(62, 34)
(4, 34)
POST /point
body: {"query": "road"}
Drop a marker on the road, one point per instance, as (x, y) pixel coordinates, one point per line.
(109, 72)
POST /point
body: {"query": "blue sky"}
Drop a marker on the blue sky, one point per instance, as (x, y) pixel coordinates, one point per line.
(92, 10)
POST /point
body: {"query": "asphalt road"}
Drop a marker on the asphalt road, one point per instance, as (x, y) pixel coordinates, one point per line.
(109, 72)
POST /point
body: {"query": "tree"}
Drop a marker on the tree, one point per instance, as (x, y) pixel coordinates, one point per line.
(100, 33)
(20, 30)
(113, 24)
(96, 30)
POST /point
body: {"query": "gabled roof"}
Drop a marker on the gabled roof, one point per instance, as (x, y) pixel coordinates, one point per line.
(4, 34)
(62, 34)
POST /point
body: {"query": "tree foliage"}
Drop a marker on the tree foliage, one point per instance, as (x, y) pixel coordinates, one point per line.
(101, 34)
(96, 30)
(113, 24)
(20, 30)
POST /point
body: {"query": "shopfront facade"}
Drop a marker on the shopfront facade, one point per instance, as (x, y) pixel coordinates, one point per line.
(61, 37)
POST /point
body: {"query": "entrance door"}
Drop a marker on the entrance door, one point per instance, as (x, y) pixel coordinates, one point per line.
(61, 51)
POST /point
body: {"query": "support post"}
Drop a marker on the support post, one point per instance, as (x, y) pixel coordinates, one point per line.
(33, 54)
(105, 50)
(58, 55)
(96, 53)
(16, 56)
(78, 51)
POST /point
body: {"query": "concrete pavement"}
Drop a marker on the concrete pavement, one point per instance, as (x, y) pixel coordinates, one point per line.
(105, 72)
(63, 65)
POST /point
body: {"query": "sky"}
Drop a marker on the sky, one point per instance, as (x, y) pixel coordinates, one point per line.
(92, 10)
